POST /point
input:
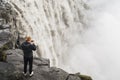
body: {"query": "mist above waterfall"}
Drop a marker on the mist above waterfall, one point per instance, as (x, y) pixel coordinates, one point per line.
(98, 52)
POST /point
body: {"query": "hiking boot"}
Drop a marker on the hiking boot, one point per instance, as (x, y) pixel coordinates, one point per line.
(25, 74)
(31, 74)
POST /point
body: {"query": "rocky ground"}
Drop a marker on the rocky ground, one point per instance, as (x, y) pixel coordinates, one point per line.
(13, 68)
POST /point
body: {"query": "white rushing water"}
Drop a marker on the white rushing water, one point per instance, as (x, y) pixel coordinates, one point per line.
(52, 24)
(72, 36)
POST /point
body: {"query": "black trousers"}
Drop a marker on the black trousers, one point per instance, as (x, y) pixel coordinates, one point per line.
(26, 61)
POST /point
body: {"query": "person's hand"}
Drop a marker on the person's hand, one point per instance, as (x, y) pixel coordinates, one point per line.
(32, 41)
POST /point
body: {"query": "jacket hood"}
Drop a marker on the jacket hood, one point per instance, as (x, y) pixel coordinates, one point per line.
(26, 45)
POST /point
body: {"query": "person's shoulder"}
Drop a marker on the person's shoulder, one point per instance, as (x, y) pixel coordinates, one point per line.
(23, 43)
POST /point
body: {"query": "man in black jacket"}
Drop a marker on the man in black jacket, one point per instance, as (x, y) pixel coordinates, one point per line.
(28, 46)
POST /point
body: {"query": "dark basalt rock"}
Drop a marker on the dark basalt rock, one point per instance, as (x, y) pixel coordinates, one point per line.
(9, 72)
(73, 77)
(46, 73)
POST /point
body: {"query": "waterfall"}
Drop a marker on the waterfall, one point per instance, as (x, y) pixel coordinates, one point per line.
(76, 35)
(52, 25)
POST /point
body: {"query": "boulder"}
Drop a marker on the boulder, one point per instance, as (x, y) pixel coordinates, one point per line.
(46, 73)
(73, 77)
(85, 77)
(9, 72)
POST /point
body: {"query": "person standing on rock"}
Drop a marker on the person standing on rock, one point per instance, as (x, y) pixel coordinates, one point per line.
(28, 47)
